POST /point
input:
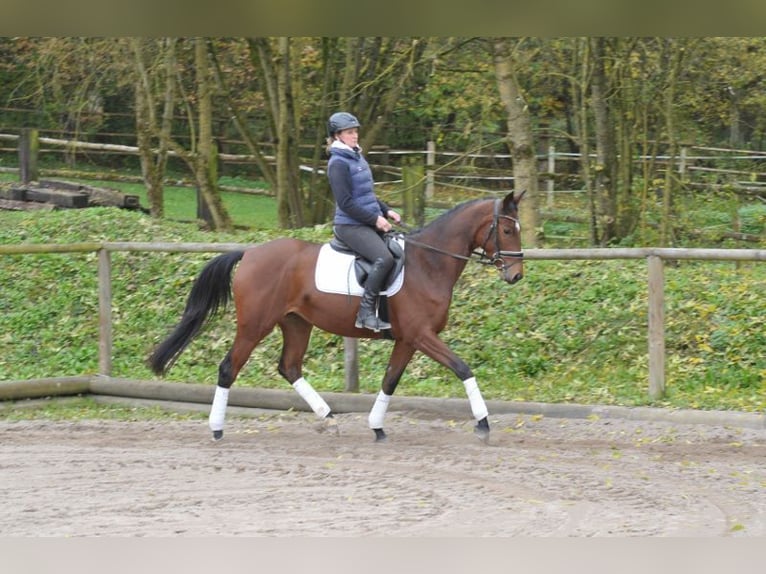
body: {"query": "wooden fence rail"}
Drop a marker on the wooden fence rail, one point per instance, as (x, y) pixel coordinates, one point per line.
(655, 258)
(439, 164)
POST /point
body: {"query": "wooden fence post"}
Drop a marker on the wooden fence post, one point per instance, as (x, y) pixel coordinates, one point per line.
(551, 170)
(430, 162)
(413, 192)
(104, 313)
(29, 146)
(682, 163)
(656, 327)
(351, 362)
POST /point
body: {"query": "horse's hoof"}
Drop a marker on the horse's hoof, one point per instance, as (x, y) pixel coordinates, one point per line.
(329, 425)
(481, 430)
(380, 435)
(217, 435)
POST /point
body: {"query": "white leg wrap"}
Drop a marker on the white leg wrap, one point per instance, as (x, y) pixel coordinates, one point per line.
(378, 412)
(478, 407)
(314, 400)
(218, 410)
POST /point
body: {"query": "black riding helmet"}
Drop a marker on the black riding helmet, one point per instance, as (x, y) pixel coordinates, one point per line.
(341, 121)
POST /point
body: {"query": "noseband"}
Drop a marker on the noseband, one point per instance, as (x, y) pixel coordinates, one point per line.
(499, 255)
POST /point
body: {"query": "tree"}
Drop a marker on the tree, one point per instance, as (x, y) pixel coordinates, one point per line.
(674, 58)
(148, 130)
(201, 156)
(364, 75)
(606, 180)
(627, 102)
(66, 82)
(273, 58)
(520, 138)
(205, 160)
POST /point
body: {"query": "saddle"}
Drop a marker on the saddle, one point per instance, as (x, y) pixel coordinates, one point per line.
(362, 266)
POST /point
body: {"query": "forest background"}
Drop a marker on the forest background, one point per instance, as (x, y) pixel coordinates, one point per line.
(622, 108)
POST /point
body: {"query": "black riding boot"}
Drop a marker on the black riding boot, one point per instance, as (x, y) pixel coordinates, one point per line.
(366, 317)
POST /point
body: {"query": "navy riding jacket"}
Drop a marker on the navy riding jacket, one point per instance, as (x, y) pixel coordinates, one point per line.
(352, 185)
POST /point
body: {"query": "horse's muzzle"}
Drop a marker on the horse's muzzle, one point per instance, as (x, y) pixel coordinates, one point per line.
(515, 278)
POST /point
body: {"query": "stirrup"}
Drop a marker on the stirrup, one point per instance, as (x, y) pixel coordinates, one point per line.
(372, 322)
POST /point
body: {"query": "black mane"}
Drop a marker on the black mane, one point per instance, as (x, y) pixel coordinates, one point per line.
(439, 221)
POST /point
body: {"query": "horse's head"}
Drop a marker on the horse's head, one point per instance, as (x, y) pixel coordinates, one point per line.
(502, 244)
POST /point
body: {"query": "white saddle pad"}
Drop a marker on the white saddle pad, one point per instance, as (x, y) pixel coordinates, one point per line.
(335, 274)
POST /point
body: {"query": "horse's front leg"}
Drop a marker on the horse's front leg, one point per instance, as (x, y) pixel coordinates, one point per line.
(400, 358)
(435, 348)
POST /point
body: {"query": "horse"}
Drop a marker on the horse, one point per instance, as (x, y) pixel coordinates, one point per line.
(274, 285)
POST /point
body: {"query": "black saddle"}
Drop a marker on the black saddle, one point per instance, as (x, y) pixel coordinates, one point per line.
(362, 266)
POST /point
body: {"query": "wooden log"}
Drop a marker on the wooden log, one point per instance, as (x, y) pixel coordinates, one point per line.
(63, 198)
(61, 184)
(35, 388)
(12, 205)
(103, 197)
(14, 193)
(97, 196)
(18, 248)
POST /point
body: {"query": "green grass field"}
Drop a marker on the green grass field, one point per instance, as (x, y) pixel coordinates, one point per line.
(247, 210)
(571, 331)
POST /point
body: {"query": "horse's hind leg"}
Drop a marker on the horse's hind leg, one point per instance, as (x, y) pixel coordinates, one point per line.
(227, 373)
(296, 333)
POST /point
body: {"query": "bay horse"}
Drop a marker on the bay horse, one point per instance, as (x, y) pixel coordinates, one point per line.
(274, 286)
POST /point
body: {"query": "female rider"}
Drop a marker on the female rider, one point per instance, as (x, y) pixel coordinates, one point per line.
(360, 217)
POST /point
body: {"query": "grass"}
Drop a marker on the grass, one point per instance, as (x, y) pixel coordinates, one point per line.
(247, 210)
(572, 331)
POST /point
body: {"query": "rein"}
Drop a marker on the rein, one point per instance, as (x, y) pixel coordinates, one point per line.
(484, 259)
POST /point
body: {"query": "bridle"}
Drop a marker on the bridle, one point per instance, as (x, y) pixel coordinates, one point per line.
(499, 255)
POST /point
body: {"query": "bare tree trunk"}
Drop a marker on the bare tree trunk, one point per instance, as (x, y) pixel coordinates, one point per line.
(606, 153)
(735, 119)
(206, 157)
(674, 65)
(402, 70)
(580, 89)
(320, 198)
(289, 197)
(368, 82)
(145, 132)
(267, 172)
(520, 138)
(350, 70)
(166, 128)
(278, 82)
(153, 164)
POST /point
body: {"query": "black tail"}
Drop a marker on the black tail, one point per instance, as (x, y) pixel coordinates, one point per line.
(210, 293)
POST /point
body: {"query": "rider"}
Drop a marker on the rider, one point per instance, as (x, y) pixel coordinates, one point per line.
(360, 217)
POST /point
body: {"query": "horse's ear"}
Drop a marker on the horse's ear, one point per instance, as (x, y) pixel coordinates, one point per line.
(511, 201)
